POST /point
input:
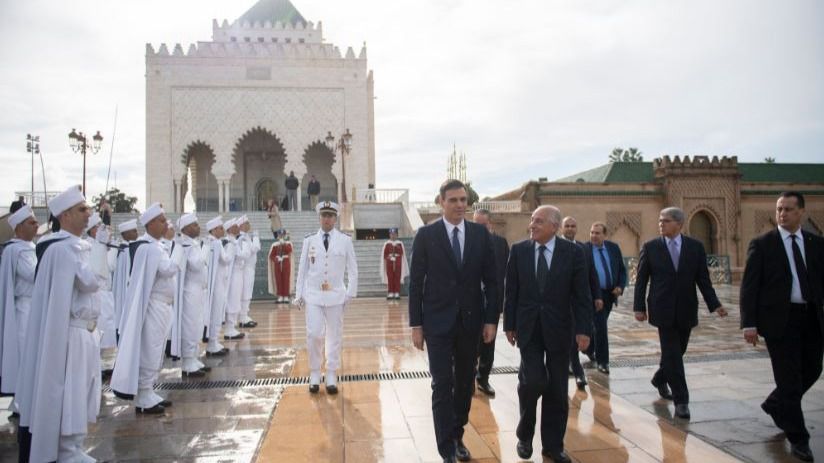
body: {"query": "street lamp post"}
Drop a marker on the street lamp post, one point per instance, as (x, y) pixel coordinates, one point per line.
(33, 148)
(344, 145)
(79, 144)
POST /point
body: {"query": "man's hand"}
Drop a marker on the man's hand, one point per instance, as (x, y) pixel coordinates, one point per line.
(490, 329)
(583, 342)
(417, 337)
(510, 336)
(640, 316)
(599, 305)
(299, 302)
(617, 291)
(751, 336)
(721, 311)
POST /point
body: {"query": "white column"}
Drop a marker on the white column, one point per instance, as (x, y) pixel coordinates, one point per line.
(220, 196)
(178, 205)
(300, 192)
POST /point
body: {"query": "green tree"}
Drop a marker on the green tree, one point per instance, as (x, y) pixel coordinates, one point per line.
(118, 200)
(629, 155)
(769, 160)
(471, 195)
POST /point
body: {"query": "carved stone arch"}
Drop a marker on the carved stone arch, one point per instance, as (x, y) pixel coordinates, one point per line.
(762, 220)
(631, 219)
(703, 225)
(259, 157)
(629, 242)
(199, 156)
(816, 221)
(320, 161)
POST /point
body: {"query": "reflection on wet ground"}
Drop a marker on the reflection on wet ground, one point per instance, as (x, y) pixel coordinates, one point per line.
(619, 418)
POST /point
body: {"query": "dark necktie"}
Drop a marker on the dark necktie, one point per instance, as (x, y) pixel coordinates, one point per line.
(607, 274)
(543, 269)
(801, 270)
(326, 241)
(456, 246)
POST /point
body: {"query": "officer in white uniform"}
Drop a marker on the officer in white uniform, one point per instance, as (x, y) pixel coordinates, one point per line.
(324, 258)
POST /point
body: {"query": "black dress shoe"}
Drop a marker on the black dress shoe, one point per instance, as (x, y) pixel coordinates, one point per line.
(235, 337)
(165, 403)
(773, 412)
(156, 410)
(663, 389)
(449, 460)
(219, 353)
(193, 374)
(314, 388)
(250, 324)
(581, 382)
(206, 369)
(557, 457)
(603, 368)
(524, 449)
(331, 389)
(682, 411)
(461, 452)
(486, 388)
(106, 374)
(802, 451)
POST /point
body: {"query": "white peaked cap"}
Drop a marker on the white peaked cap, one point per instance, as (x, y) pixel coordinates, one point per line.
(128, 225)
(94, 220)
(66, 200)
(243, 219)
(214, 223)
(327, 206)
(20, 216)
(150, 213)
(230, 223)
(186, 220)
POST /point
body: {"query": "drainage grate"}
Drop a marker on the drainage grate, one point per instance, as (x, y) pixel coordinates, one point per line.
(401, 375)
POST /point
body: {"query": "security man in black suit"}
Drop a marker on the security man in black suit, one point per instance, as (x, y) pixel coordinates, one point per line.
(605, 257)
(569, 228)
(673, 265)
(486, 351)
(781, 299)
(451, 259)
(547, 300)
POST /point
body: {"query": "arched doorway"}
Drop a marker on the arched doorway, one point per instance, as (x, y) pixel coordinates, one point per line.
(260, 161)
(319, 160)
(198, 159)
(702, 227)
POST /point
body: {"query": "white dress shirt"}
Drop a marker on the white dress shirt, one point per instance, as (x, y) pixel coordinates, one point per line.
(550, 248)
(461, 233)
(795, 293)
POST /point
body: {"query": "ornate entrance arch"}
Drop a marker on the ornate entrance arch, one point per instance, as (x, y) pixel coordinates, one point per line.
(704, 228)
(199, 158)
(319, 160)
(259, 159)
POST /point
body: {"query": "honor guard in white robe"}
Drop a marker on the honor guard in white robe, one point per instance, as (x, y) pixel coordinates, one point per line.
(98, 239)
(220, 258)
(249, 272)
(58, 391)
(192, 291)
(120, 278)
(149, 313)
(324, 259)
(16, 285)
(236, 278)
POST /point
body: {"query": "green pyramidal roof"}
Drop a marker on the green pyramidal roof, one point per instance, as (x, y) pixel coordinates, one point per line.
(273, 11)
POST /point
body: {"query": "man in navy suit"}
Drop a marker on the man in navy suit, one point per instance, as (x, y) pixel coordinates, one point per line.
(673, 265)
(448, 309)
(782, 294)
(605, 257)
(548, 299)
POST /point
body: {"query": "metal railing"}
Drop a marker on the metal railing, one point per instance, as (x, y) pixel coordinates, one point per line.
(719, 267)
(381, 196)
(40, 200)
(497, 207)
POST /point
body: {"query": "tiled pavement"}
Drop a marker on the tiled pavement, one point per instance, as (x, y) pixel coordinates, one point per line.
(619, 418)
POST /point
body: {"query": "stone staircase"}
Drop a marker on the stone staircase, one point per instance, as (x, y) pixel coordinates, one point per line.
(299, 224)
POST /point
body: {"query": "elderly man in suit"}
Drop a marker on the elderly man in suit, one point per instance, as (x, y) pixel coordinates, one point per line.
(547, 300)
(448, 308)
(605, 257)
(673, 265)
(781, 299)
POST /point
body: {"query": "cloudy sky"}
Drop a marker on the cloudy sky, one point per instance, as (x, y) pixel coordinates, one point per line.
(527, 88)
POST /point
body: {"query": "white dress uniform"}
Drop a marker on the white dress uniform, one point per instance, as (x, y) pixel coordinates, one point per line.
(320, 285)
(249, 275)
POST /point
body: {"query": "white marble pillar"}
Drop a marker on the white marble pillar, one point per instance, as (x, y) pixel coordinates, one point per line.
(220, 197)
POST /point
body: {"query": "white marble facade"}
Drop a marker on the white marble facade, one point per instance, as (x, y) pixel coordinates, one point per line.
(253, 104)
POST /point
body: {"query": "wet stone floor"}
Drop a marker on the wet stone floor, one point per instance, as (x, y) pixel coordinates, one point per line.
(254, 405)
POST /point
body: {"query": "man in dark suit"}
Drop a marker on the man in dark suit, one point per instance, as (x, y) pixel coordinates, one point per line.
(569, 229)
(673, 265)
(781, 299)
(547, 300)
(486, 351)
(605, 257)
(451, 258)
(15, 205)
